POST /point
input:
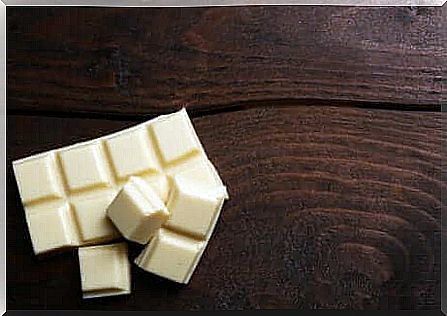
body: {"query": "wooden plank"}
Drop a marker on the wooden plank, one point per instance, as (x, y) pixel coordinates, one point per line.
(330, 208)
(152, 60)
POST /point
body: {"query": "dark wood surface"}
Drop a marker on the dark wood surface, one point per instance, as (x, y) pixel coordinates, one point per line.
(332, 206)
(152, 60)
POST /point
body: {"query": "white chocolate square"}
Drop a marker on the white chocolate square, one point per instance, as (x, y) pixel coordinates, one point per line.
(137, 211)
(172, 256)
(202, 175)
(84, 167)
(105, 270)
(191, 211)
(50, 228)
(175, 137)
(94, 225)
(131, 154)
(37, 179)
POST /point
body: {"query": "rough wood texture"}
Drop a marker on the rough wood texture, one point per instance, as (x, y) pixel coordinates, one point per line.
(330, 208)
(133, 61)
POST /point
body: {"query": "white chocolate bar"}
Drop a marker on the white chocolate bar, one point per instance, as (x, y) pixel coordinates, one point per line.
(71, 187)
(105, 270)
(137, 211)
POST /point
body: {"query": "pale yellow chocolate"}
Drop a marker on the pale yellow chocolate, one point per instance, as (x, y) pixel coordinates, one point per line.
(174, 138)
(194, 205)
(38, 179)
(192, 211)
(50, 228)
(83, 178)
(93, 226)
(137, 211)
(105, 270)
(131, 154)
(171, 255)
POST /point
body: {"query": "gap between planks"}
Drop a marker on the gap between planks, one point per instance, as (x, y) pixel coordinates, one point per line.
(198, 111)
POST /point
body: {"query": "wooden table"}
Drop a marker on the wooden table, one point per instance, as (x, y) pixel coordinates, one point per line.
(325, 124)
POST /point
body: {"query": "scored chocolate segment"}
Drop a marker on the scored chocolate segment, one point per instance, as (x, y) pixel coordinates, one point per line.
(175, 138)
(130, 154)
(192, 212)
(38, 179)
(50, 228)
(105, 270)
(171, 255)
(83, 168)
(93, 225)
(84, 176)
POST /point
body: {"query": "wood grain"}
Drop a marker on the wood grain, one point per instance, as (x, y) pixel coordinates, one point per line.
(330, 208)
(150, 60)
